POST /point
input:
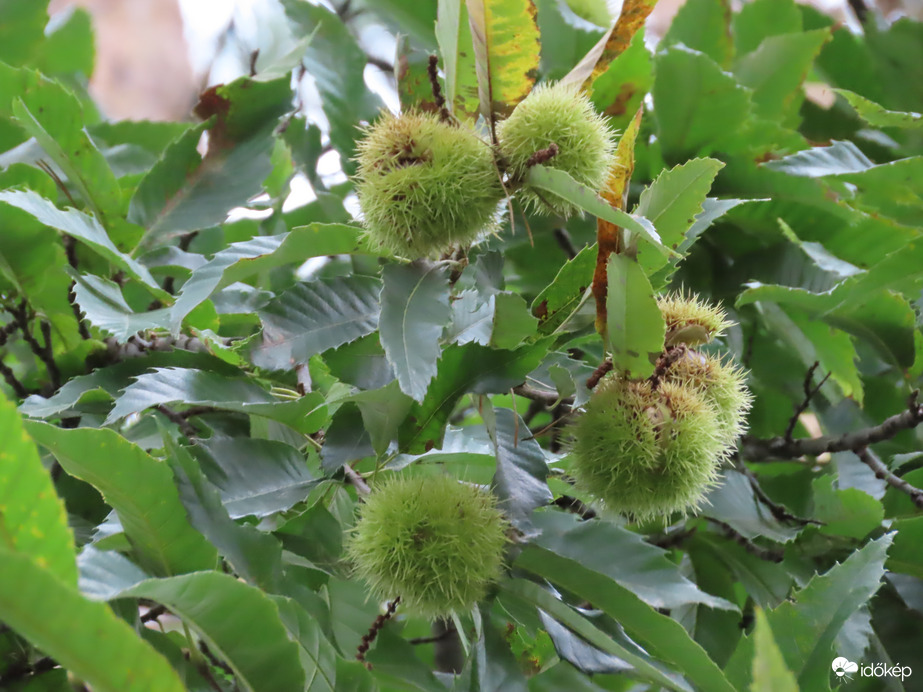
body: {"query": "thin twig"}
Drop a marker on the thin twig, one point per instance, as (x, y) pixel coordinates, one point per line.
(809, 393)
(43, 353)
(756, 449)
(768, 554)
(777, 510)
(356, 481)
(12, 381)
(665, 362)
(382, 65)
(672, 539)
(600, 372)
(545, 396)
(575, 506)
(154, 613)
(565, 242)
(369, 637)
(445, 634)
(187, 428)
(22, 669)
(882, 472)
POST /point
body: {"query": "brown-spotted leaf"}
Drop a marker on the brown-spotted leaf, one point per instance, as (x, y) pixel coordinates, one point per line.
(454, 37)
(412, 72)
(506, 50)
(608, 235)
(611, 45)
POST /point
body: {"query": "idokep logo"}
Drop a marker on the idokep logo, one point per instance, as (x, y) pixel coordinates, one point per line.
(843, 668)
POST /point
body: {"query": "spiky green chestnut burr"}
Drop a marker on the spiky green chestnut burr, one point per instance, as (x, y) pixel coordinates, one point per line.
(691, 321)
(425, 186)
(435, 542)
(722, 384)
(646, 451)
(561, 115)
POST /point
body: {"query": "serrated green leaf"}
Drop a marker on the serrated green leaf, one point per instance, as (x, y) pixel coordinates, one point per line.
(544, 600)
(140, 489)
(84, 637)
(68, 45)
(811, 621)
(86, 229)
(640, 567)
(847, 512)
(776, 70)
(244, 259)
(463, 369)
(635, 326)
(560, 183)
(878, 116)
(733, 502)
(335, 60)
(761, 19)
(204, 388)
(255, 477)
(382, 410)
(672, 203)
(562, 297)
(698, 108)
(505, 38)
(33, 520)
(658, 634)
(105, 307)
(770, 674)
(513, 323)
(318, 657)
(312, 317)
(522, 471)
(256, 557)
(414, 312)
(454, 37)
(703, 25)
(839, 157)
(250, 638)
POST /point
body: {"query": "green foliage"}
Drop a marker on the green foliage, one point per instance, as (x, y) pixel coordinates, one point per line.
(216, 380)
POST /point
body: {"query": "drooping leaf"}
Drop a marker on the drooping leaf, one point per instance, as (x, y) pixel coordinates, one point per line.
(878, 116)
(806, 627)
(689, 123)
(631, 19)
(839, 157)
(84, 228)
(609, 235)
(776, 70)
(619, 91)
(315, 316)
(336, 62)
(635, 325)
(256, 557)
(382, 410)
(33, 520)
(562, 297)
(250, 637)
(497, 667)
(628, 560)
(560, 183)
(414, 312)
(703, 25)
(463, 369)
(318, 657)
(560, 611)
(770, 673)
(139, 488)
(51, 114)
(255, 477)
(733, 502)
(105, 308)
(520, 480)
(242, 260)
(84, 637)
(455, 44)
(204, 388)
(658, 634)
(505, 39)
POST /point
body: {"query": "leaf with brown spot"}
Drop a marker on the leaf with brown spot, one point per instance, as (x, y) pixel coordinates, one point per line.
(506, 51)
(413, 87)
(619, 91)
(454, 37)
(611, 45)
(608, 235)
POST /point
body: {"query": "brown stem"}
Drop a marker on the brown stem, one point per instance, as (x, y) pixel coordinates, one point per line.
(809, 393)
(604, 369)
(882, 472)
(433, 72)
(369, 637)
(768, 554)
